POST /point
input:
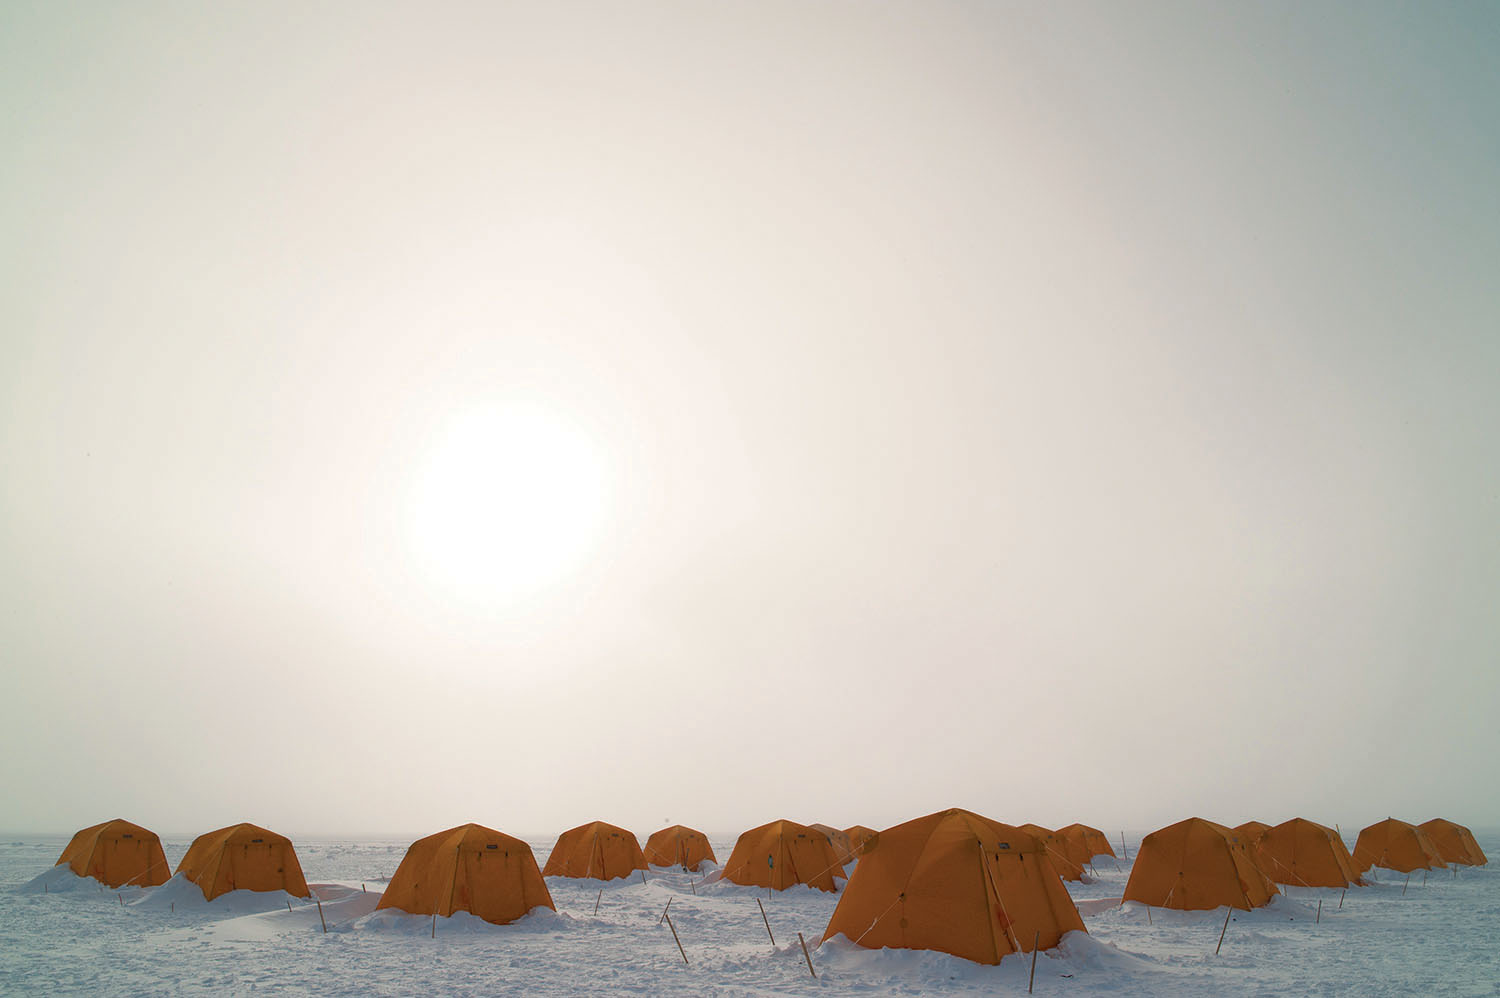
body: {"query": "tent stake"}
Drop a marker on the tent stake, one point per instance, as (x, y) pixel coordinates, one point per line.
(763, 918)
(805, 956)
(1341, 896)
(1035, 940)
(1122, 847)
(664, 911)
(1406, 885)
(1224, 930)
(677, 940)
(289, 904)
(643, 876)
(1320, 912)
(596, 900)
(320, 912)
(693, 886)
(1424, 878)
(1148, 914)
(434, 925)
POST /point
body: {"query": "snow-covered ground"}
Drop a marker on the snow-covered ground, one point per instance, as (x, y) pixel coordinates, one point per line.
(70, 937)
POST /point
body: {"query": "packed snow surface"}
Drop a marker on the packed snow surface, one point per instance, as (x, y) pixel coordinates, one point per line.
(63, 935)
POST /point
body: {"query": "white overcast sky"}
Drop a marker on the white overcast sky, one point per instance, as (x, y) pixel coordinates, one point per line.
(717, 412)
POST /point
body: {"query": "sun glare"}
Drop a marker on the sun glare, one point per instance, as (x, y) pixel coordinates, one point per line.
(509, 503)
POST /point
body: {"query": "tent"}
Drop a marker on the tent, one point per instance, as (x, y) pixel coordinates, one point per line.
(1395, 845)
(1095, 841)
(1251, 830)
(781, 854)
(858, 835)
(243, 857)
(1196, 865)
(678, 845)
(117, 853)
(1455, 843)
(1306, 854)
(956, 882)
(839, 839)
(469, 868)
(1064, 856)
(597, 850)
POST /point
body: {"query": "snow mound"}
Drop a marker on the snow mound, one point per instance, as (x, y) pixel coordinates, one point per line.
(398, 922)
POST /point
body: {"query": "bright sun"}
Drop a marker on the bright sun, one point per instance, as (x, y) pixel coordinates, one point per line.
(510, 502)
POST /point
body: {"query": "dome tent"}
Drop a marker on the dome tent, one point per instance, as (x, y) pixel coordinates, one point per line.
(243, 857)
(469, 868)
(117, 853)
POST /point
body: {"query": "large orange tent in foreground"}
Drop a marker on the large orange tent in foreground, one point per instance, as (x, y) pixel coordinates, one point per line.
(839, 839)
(1094, 841)
(1455, 843)
(597, 850)
(243, 857)
(678, 845)
(469, 868)
(1064, 855)
(117, 853)
(956, 882)
(1196, 865)
(1305, 853)
(782, 854)
(1397, 845)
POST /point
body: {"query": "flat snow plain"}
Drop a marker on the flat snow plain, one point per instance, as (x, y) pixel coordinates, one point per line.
(1441, 938)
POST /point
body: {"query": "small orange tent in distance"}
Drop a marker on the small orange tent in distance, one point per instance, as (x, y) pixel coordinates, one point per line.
(1196, 865)
(678, 845)
(1304, 853)
(1250, 831)
(469, 868)
(858, 835)
(597, 850)
(243, 857)
(839, 839)
(1094, 841)
(782, 854)
(956, 882)
(1068, 865)
(117, 853)
(1455, 843)
(1395, 845)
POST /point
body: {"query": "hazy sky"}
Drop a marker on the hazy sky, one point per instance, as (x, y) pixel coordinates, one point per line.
(719, 412)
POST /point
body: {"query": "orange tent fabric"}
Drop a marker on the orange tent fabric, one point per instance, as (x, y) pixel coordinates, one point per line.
(469, 868)
(1305, 853)
(1251, 830)
(956, 882)
(597, 850)
(117, 853)
(1095, 841)
(1395, 845)
(781, 854)
(243, 857)
(839, 839)
(678, 845)
(858, 835)
(1196, 865)
(1455, 843)
(1064, 857)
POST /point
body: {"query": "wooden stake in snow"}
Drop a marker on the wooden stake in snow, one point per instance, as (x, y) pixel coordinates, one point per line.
(1148, 914)
(1223, 930)
(1406, 885)
(362, 889)
(677, 940)
(320, 912)
(643, 876)
(288, 904)
(1320, 912)
(121, 897)
(763, 918)
(434, 925)
(1424, 878)
(805, 956)
(1122, 847)
(665, 910)
(1035, 941)
(596, 900)
(173, 909)
(1341, 896)
(693, 886)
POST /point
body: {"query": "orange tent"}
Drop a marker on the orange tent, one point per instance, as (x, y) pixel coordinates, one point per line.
(1395, 845)
(839, 839)
(958, 883)
(858, 834)
(1064, 856)
(678, 845)
(781, 854)
(1455, 843)
(243, 857)
(117, 853)
(1094, 841)
(1305, 853)
(469, 868)
(1251, 830)
(1196, 865)
(597, 850)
